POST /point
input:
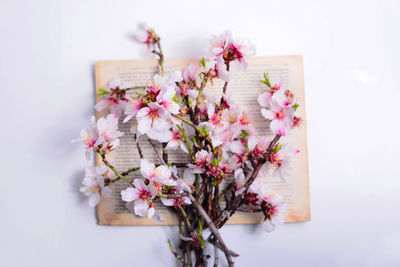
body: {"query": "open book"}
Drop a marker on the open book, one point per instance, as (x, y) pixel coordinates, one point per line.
(245, 88)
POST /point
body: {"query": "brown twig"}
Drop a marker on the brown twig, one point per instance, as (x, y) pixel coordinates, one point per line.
(165, 153)
(139, 149)
(157, 152)
(213, 241)
(213, 229)
(226, 83)
(108, 164)
(221, 220)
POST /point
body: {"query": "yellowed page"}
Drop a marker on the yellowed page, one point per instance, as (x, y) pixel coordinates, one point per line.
(245, 87)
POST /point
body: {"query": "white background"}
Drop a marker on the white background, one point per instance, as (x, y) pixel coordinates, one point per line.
(351, 62)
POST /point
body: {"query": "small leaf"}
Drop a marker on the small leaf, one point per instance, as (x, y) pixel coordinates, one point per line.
(200, 227)
(176, 99)
(243, 135)
(103, 92)
(295, 106)
(277, 147)
(203, 63)
(266, 80)
(201, 239)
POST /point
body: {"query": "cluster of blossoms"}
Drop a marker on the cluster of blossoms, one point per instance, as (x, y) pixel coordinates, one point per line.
(228, 160)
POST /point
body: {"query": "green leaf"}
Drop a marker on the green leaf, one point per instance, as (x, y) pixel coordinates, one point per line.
(200, 227)
(266, 80)
(203, 63)
(215, 161)
(103, 92)
(243, 135)
(277, 147)
(176, 99)
(201, 239)
(295, 106)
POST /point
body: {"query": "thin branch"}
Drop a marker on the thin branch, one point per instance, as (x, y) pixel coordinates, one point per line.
(236, 201)
(248, 209)
(200, 131)
(108, 164)
(226, 83)
(161, 58)
(177, 256)
(213, 229)
(139, 149)
(197, 106)
(125, 173)
(164, 153)
(215, 255)
(187, 142)
(157, 152)
(213, 241)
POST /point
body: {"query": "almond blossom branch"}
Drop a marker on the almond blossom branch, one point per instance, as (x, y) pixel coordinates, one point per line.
(239, 152)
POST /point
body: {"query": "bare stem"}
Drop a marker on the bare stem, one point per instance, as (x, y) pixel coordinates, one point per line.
(187, 141)
(108, 164)
(200, 131)
(157, 152)
(213, 229)
(107, 182)
(226, 83)
(177, 256)
(139, 149)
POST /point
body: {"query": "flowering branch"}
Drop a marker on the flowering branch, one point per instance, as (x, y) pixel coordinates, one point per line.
(218, 136)
(108, 164)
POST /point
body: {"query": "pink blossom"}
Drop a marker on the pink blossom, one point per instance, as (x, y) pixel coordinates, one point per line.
(148, 37)
(179, 189)
(191, 74)
(258, 145)
(265, 98)
(231, 50)
(133, 107)
(104, 132)
(202, 159)
(273, 202)
(152, 117)
(93, 184)
(220, 69)
(160, 175)
(107, 130)
(115, 100)
(281, 161)
(177, 139)
(285, 98)
(239, 181)
(142, 195)
(281, 118)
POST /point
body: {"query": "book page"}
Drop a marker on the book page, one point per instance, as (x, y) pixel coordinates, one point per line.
(245, 88)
